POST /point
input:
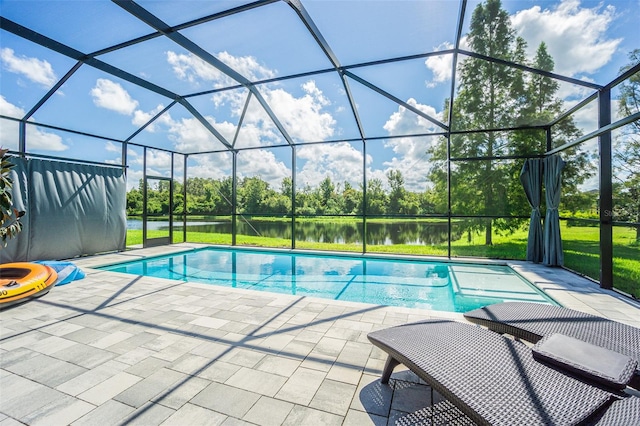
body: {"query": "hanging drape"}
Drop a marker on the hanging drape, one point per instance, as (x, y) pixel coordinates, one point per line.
(531, 178)
(71, 210)
(553, 255)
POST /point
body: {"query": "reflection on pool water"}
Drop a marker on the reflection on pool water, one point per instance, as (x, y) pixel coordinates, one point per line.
(452, 287)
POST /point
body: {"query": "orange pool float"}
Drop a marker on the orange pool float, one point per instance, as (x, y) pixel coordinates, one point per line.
(21, 281)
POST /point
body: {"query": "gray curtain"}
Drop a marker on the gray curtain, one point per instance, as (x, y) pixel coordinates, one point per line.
(71, 210)
(553, 255)
(531, 178)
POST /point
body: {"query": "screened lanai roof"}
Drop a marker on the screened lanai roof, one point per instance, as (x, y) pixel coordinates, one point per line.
(207, 76)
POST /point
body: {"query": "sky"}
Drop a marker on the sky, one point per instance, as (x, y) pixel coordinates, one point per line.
(589, 40)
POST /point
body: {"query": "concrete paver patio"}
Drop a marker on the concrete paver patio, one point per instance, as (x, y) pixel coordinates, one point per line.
(122, 349)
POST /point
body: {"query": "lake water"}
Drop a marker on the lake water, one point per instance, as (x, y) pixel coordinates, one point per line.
(407, 232)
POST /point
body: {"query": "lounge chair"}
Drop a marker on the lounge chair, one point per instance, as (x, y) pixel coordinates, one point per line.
(532, 321)
(495, 380)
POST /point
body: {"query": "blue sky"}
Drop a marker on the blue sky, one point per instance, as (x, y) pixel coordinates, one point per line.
(589, 40)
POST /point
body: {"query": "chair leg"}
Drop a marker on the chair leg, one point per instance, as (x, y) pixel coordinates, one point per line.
(635, 381)
(388, 369)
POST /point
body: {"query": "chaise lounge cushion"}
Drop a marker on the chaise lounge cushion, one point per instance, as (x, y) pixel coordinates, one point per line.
(532, 321)
(592, 362)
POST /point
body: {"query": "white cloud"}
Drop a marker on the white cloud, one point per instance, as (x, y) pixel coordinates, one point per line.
(247, 66)
(440, 66)
(575, 36)
(412, 164)
(263, 163)
(42, 140)
(302, 117)
(380, 175)
(36, 70)
(114, 161)
(112, 147)
(315, 93)
(235, 98)
(134, 171)
(189, 135)
(591, 146)
(111, 95)
(586, 118)
(140, 118)
(133, 179)
(258, 134)
(404, 122)
(9, 109)
(9, 133)
(572, 92)
(339, 161)
(158, 163)
(226, 129)
(36, 138)
(410, 153)
(191, 68)
(214, 166)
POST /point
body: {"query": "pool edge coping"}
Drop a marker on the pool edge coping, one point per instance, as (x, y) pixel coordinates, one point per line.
(565, 287)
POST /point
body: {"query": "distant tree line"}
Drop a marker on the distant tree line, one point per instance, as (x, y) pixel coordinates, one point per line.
(255, 196)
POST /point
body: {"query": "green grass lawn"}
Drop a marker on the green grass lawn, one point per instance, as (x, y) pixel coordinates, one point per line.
(582, 252)
(580, 244)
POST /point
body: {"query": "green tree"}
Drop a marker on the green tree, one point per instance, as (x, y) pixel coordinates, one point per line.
(627, 149)
(276, 203)
(196, 195)
(134, 202)
(410, 204)
(178, 198)
(251, 194)
(286, 187)
(351, 200)
(326, 190)
(493, 96)
(426, 202)
(397, 192)
(224, 190)
(305, 202)
(540, 104)
(327, 198)
(10, 224)
(158, 198)
(376, 198)
(484, 100)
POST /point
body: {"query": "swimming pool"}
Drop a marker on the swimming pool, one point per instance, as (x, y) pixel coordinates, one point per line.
(442, 286)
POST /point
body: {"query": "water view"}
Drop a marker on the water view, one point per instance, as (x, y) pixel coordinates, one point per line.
(341, 232)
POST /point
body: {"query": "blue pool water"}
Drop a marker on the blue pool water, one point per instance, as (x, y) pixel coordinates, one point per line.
(453, 287)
